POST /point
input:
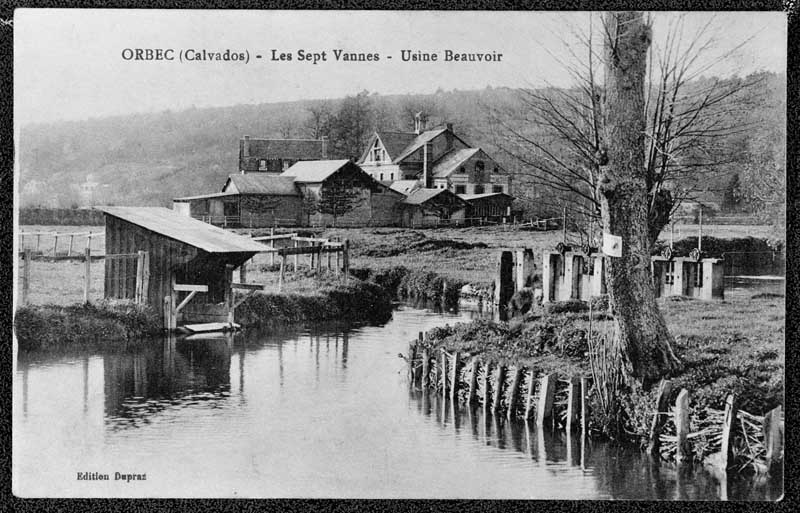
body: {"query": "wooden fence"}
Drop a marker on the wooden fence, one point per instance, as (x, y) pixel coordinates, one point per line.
(51, 248)
(555, 402)
(140, 287)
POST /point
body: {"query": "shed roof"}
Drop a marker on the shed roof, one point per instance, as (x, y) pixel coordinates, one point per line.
(405, 186)
(451, 161)
(185, 229)
(473, 197)
(420, 196)
(313, 171)
(262, 183)
(204, 196)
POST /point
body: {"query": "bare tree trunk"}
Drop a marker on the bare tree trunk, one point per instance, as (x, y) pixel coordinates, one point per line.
(642, 339)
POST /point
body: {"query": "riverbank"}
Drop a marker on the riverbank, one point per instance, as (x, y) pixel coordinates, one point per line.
(723, 352)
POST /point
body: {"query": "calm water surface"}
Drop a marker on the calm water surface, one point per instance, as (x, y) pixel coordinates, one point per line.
(323, 413)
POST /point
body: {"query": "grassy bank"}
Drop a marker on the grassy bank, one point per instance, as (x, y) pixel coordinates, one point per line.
(54, 326)
(723, 351)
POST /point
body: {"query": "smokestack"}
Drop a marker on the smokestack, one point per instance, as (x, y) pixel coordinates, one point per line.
(426, 178)
(449, 126)
(324, 147)
(419, 124)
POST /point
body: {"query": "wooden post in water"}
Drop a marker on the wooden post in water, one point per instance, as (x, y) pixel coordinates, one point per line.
(727, 429)
(87, 274)
(473, 381)
(498, 387)
(443, 373)
(547, 389)
(485, 383)
(26, 276)
(529, 395)
(662, 409)
(682, 426)
(773, 436)
(454, 378)
(584, 406)
(229, 291)
(514, 396)
(412, 355)
(426, 369)
(573, 401)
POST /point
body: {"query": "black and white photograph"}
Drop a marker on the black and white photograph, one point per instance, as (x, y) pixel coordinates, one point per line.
(399, 254)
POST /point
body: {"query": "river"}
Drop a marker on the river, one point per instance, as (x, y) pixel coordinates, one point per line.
(322, 413)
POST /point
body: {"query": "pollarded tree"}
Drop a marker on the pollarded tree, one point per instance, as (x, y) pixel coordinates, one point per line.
(641, 339)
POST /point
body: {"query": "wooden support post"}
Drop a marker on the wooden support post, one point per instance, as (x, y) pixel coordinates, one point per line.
(514, 396)
(773, 436)
(547, 390)
(87, 274)
(454, 375)
(272, 246)
(243, 273)
(529, 395)
(660, 417)
(727, 430)
(139, 277)
(498, 387)
(485, 383)
(584, 406)
(573, 401)
(55, 244)
(473, 381)
(167, 309)
(283, 271)
(346, 259)
(436, 370)
(26, 276)
(682, 425)
(229, 291)
(412, 355)
(426, 369)
(443, 373)
(417, 356)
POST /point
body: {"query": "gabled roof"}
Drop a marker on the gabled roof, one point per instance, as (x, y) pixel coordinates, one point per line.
(262, 183)
(285, 148)
(393, 142)
(418, 142)
(185, 229)
(420, 196)
(452, 161)
(405, 187)
(312, 171)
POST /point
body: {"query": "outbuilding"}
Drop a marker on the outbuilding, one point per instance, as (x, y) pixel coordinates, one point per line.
(184, 255)
(433, 207)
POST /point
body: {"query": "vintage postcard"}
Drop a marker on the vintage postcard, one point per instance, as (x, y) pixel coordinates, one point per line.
(399, 254)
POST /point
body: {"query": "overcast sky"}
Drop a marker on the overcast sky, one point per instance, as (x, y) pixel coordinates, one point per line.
(69, 64)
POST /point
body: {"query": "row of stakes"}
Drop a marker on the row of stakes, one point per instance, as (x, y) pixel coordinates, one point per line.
(447, 374)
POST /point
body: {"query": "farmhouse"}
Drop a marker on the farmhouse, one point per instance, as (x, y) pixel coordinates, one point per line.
(339, 192)
(277, 155)
(184, 255)
(439, 158)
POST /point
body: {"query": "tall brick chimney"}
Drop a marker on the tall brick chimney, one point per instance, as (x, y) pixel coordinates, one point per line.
(448, 137)
(324, 147)
(246, 148)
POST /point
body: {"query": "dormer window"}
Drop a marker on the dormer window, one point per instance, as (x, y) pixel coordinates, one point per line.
(377, 153)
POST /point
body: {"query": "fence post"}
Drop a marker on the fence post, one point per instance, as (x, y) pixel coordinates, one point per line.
(473, 381)
(529, 396)
(512, 403)
(662, 408)
(55, 244)
(682, 425)
(295, 255)
(89, 240)
(71, 238)
(727, 429)
(573, 401)
(272, 246)
(498, 387)
(283, 270)
(26, 276)
(87, 282)
(546, 394)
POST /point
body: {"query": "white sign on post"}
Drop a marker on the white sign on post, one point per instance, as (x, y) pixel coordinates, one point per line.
(612, 245)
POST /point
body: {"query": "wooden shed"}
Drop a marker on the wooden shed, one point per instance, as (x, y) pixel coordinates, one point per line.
(184, 255)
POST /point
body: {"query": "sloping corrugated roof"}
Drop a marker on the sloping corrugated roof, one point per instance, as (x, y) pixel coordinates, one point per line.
(262, 183)
(405, 186)
(312, 171)
(183, 228)
(418, 142)
(420, 196)
(451, 161)
(286, 148)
